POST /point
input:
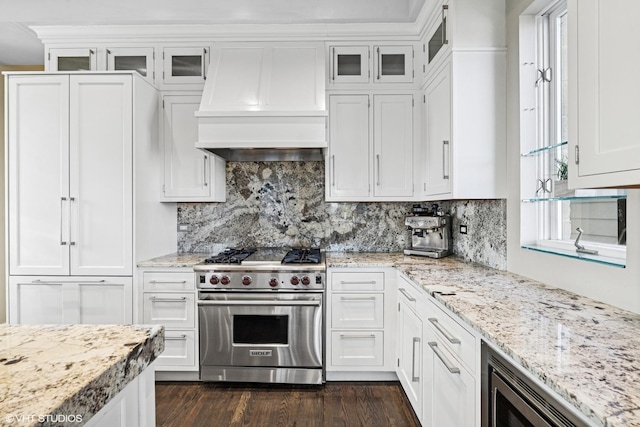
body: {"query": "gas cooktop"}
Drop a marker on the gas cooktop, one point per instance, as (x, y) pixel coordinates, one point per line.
(263, 268)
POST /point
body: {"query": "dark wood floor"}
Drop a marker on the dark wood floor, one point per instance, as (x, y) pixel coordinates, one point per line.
(334, 404)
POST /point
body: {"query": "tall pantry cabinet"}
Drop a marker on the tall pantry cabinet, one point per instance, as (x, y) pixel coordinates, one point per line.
(82, 156)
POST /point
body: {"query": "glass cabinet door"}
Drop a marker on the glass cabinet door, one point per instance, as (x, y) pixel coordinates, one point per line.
(185, 65)
(393, 64)
(63, 59)
(131, 58)
(349, 64)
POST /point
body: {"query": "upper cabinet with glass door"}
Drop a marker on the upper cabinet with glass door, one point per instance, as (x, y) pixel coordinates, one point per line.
(72, 59)
(185, 67)
(140, 59)
(370, 64)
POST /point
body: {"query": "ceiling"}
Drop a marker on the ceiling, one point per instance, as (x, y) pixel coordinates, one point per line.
(20, 46)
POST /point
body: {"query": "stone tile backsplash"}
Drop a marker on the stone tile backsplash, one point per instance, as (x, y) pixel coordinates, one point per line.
(282, 204)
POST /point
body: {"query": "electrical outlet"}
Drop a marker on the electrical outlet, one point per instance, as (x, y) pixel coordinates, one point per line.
(183, 227)
(463, 229)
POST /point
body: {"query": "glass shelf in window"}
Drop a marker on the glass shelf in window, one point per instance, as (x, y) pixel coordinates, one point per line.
(543, 149)
(616, 262)
(576, 198)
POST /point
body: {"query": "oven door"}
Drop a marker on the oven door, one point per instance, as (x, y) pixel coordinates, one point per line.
(256, 329)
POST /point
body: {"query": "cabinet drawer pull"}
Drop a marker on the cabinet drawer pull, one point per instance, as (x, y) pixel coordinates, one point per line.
(414, 377)
(443, 358)
(445, 149)
(182, 337)
(181, 299)
(407, 295)
(357, 298)
(168, 281)
(60, 282)
(365, 336)
(443, 331)
(345, 282)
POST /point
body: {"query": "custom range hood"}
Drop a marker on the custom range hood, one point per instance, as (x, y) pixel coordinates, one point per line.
(264, 102)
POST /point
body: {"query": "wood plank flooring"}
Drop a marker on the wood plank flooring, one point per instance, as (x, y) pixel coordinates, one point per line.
(348, 404)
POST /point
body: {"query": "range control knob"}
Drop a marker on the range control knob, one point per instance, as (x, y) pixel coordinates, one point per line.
(294, 280)
(214, 280)
(306, 280)
(225, 280)
(273, 282)
(246, 280)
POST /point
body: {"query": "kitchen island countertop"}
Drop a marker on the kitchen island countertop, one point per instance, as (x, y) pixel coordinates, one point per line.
(54, 373)
(586, 351)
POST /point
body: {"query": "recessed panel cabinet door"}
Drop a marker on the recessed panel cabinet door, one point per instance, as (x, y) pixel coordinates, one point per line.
(188, 172)
(101, 175)
(348, 162)
(393, 145)
(437, 131)
(38, 165)
(605, 72)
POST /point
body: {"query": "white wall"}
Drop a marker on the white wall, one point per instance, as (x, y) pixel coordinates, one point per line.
(616, 286)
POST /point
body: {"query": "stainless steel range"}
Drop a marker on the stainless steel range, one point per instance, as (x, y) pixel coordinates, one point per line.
(261, 315)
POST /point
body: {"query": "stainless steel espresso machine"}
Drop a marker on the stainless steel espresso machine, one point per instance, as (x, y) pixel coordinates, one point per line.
(430, 231)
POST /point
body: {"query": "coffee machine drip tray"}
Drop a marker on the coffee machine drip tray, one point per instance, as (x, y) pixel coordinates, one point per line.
(431, 253)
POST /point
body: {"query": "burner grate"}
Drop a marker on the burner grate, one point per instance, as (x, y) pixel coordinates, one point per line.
(230, 256)
(302, 256)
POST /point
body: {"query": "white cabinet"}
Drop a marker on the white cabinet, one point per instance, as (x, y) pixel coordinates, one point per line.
(349, 64)
(72, 59)
(355, 65)
(101, 58)
(167, 296)
(464, 101)
(437, 360)
(393, 64)
(371, 152)
(463, 144)
(348, 164)
(185, 67)
(393, 145)
(190, 175)
(83, 160)
(450, 390)
(70, 175)
(604, 94)
(360, 319)
(409, 351)
(437, 133)
(64, 300)
(140, 59)
(449, 360)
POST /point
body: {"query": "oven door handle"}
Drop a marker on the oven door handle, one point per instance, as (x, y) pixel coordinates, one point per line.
(315, 303)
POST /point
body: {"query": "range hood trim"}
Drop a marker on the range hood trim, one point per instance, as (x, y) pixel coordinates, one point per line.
(262, 113)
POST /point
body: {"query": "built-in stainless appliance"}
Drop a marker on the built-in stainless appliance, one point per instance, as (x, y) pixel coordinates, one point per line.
(510, 398)
(430, 231)
(261, 316)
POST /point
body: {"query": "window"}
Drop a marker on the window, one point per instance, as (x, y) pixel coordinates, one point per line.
(560, 214)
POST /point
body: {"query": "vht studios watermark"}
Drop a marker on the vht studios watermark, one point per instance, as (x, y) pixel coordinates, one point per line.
(49, 418)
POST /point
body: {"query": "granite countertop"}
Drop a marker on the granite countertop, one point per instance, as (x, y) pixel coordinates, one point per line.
(69, 371)
(586, 351)
(176, 260)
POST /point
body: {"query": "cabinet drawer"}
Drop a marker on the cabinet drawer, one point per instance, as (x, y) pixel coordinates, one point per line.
(164, 281)
(361, 348)
(357, 281)
(169, 309)
(357, 311)
(455, 338)
(179, 349)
